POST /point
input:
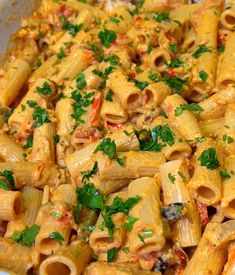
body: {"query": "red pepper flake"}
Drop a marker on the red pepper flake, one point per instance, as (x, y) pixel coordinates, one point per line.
(171, 72)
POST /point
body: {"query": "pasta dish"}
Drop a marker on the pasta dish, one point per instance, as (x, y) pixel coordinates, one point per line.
(117, 139)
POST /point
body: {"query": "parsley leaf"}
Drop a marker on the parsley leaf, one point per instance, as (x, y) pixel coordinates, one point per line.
(114, 20)
(86, 175)
(10, 181)
(176, 63)
(27, 236)
(108, 146)
(72, 29)
(29, 142)
(56, 215)
(153, 76)
(190, 107)
(111, 254)
(40, 116)
(209, 159)
(171, 177)
(117, 206)
(4, 185)
(149, 139)
(228, 139)
(224, 174)
(90, 197)
(130, 222)
(203, 75)
(61, 54)
(173, 48)
(161, 16)
(45, 89)
(202, 49)
(56, 138)
(57, 236)
(31, 103)
(108, 96)
(81, 81)
(147, 233)
(107, 37)
(139, 84)
(112, 59)
(175, 82)
(221, 48)
(121, 161)
(82, 101)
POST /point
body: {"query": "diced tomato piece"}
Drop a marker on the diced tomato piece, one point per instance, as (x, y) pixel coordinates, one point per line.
(203, 213)
(171, 72)
(95, 108)
(114, 125)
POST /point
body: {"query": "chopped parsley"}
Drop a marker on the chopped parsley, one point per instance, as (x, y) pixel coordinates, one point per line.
(114, 20)
(27, 236)
(145, 234)
(86, 175)
(209, 159)
(40, 116)
(45, 89)
(200, 139)
(130, 222)
(108, 96)
(176, 63)
(81, 81)
(153, 76)
(155, 139)
(56, 139)
(111, 254)
(190, 107)
(112, 59)
(61, 54)
(171, 177)
(203, 75)
(81, 101)
(161, 16)
(224, 174)
(56, 215)
(38, 63)
(8, 180)
(32, 103)
(201, 49)
(57, 236)
(126, 249)
(139, 84)
(182, 176)
(90, 197)
(72, 29)
(121, 161)
(173, 48)
(29, 142)
(108, 147)
(228, 139)
(175, 83)
(117, 206)
(149, 48)
(107, 37)
(105, 74)
(221, 48)
(98, 53)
